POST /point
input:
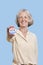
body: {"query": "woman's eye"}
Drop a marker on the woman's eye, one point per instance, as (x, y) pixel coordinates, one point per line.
(25, 17)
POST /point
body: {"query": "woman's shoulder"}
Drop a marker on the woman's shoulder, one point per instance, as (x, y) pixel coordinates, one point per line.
(32, 34)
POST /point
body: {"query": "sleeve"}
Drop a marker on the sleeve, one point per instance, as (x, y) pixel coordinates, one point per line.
(11, 39)
(36, 50)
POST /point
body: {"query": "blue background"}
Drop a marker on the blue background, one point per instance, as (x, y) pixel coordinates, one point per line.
(8, 11)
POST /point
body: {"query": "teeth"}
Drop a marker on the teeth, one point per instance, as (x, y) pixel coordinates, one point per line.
(23, 21)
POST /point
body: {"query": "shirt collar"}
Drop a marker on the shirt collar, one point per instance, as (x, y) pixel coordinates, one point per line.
(20, 33)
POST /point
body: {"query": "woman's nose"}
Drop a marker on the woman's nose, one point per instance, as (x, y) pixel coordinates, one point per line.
(23, 18)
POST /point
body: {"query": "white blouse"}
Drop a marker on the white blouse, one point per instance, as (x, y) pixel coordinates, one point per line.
(25, 48)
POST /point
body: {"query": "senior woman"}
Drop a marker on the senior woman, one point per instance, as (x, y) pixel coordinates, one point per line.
(24, 42)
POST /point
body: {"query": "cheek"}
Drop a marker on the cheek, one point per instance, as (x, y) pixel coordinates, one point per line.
(27, 23)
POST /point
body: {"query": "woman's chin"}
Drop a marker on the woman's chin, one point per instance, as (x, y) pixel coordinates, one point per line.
(23, 26)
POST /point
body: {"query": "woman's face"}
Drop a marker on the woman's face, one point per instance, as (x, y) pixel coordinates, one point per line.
(23, 19)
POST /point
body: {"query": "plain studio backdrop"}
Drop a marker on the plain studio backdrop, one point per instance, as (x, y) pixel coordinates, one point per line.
(8, 11)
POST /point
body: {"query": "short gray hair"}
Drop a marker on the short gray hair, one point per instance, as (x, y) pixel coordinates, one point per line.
(29, 15)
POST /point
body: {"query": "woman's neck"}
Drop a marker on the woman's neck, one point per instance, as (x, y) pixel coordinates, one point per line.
(24, 31)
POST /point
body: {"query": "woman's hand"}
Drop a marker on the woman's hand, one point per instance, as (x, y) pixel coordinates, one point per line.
(11, 28)
(9, 35)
